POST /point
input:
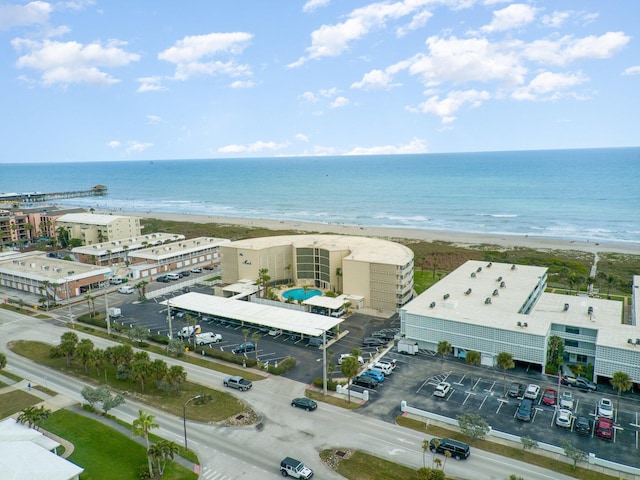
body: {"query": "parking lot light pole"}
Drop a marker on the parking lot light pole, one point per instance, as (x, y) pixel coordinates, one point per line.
(106, 306)
(184, 418)
(324, 363)
(69, 273)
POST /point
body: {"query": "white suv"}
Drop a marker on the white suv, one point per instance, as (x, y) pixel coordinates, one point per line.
(345, 355)
(532, 391)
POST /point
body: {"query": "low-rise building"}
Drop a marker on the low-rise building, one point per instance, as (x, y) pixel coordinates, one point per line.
(495, 307)
(93, 228)
(22, 226)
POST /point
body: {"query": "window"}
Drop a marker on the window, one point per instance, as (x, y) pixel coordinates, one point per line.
(571, 343)
(573, 330)
(581, 358)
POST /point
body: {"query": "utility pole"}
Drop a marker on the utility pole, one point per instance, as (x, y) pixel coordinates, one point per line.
(106, 306)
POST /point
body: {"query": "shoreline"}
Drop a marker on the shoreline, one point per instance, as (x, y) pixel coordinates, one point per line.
(395, 233)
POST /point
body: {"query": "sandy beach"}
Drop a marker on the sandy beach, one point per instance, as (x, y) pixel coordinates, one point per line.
(463, 239)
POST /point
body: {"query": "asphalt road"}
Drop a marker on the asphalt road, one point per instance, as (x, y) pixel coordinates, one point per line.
(249, 453)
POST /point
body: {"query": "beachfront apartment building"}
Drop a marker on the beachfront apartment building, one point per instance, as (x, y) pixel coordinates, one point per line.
(378, 271)
(58, 280)
(148, 263)
(117, 251)
(495, 307)
(93, 228)
(22, 226)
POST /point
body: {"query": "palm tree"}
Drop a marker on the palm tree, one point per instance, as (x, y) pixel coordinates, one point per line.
(263, 279)
(245, 333)
(505, 362)
(83, 352)
(621, 382)
(91, 302)
(67, 347)
(610, 281)
(255, 337)
(141, 428)
(349, 369)
(142, 289)
(3, 361)
(425, 449)
(162, 451)
(444, 348)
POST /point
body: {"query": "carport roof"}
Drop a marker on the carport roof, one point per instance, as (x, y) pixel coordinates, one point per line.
(273, 317)
(326, 302)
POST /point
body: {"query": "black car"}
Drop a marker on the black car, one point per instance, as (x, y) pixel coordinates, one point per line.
(162, 279)
(304, 402)
(582, 426)
(386, 335)
(185, 273)
(373, 342)
(516, 390)
(244, 348)
(584, 384)
(208, 267)
(525, 410)
(458, 450)
(366, 382)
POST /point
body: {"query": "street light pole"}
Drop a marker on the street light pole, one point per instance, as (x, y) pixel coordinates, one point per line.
(69, 273)
(184, 418)
(106, 306)
(324, 363)
(169, 320)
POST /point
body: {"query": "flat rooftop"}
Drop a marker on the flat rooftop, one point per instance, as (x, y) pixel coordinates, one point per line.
(91, 218)
(169, 250)
(39, 267)
(133, 243)
(308, 324)
(502, 312)
(360, 248)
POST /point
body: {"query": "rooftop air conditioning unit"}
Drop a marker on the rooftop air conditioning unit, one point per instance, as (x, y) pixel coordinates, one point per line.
(487, 301)
(630, 341)
(479, 269)
(513, 267)
(590, 311)
(468, 291)
(519, 324)
(637, 341)
(525, 324)
(445, 296)
(499, 279)
(496, 293)
(489, 265)
(473, 274)
(503, 285)
(566, 307)
(432, 304)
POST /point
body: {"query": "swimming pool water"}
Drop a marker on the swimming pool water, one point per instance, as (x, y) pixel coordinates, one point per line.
(299, 293)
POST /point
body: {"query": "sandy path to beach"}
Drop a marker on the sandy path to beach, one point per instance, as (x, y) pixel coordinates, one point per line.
(463, 239)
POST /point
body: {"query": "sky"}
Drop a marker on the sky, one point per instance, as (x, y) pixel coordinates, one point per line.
(92, 80)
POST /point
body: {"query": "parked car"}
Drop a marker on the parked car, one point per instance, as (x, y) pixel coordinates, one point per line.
(373, 342)
(244, 348)
(209, 267)
(458, 450)
(386, 335)
(582, 425)
(388, 364)
(532, 391)
(525, 410)
(584, 384)
(173, 276)
(604, 428)
(274, 332)
(605, 408)
(564, 418)
(375, 374)
(549, 397)
(442, 389)
(305, 403)
(127, 289)
(345, 355)
(566, 400)
(314, 342)
(184, 273)
(196, 270)
(162, 279)
(364, 381)
(516, 390)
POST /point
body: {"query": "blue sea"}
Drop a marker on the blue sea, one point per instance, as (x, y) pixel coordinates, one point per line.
(591, 194)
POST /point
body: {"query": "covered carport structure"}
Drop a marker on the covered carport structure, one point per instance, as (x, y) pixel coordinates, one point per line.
(247, 313)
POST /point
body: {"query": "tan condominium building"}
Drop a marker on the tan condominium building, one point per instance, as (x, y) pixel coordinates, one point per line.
(495, 307)
(97, 228)
(379, 271)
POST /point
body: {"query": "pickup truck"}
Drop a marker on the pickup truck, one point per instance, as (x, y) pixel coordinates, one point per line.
(237, 382)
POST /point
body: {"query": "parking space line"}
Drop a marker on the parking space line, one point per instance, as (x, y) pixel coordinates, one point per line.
(459, 382)
(501, 402)
(483, 400)
(467, 397)
(476, 384)
(490, 389)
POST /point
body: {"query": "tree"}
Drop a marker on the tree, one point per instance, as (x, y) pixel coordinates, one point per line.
(622, 383)
(34, 416)
(573, 453)
(255, 337)
(473, 425)
(430, 474)
(67, 347)
(138, 333)
(96, 359)
(513, 476)
(473, 358)
(141, 428)
(161, 452)
(142, 289)
(175, 377)
(611, 279)
(263, 279)
(92, 395)
(63, 236)
(444, 348)
(528, 443)
(110, 401)
(141, 369)
(505, 362)
(555, 350)
(425, 449)
(91, 302)
(349, 369)
(175, 347)
(3, 361)
(83, 352)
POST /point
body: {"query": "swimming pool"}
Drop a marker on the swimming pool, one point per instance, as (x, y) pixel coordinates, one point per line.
(299, 294)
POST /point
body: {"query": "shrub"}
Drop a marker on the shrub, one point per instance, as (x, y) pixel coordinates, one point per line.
(283, 367)
(331, 384)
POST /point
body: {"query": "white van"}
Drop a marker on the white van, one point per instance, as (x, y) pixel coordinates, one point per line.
(173, 276)
(127, 289)
(116, 280)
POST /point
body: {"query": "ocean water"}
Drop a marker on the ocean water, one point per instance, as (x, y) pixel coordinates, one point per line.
(591, 194)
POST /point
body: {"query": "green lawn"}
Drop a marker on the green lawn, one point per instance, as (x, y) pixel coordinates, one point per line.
(105, 454)
(225, 405)
(362, 466)
(16, 401)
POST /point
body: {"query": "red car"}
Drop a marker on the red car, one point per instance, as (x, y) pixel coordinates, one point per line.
(604, 428)
(549, 397)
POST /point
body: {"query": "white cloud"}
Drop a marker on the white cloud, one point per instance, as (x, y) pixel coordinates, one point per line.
(310, 97)
(302, 137)
(516, 15)
(375, 80)
(114, 144)
(332, 40)
(447, 107)
(418, 21)
(150, 84)
(312, 5)
(549, 86)
(256, 147)
(72, 62)
(154, 119)
(242, 84)
(556, 19)
(635, 70)
(33, 13)
(339, 102)
(191, 54)
(568, 49)
(417, 145)
(134, 146)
